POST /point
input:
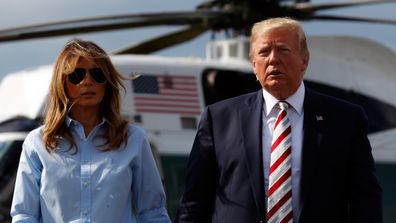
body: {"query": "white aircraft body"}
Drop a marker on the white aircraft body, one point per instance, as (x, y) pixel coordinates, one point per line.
(169, 94)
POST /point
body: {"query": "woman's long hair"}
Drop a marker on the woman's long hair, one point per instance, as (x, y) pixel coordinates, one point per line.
(59, 104)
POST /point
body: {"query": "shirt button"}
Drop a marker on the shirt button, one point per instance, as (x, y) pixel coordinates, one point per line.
(85, 213)
(85, 184)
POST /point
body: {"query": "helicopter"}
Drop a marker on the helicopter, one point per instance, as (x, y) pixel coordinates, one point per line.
(198, 82)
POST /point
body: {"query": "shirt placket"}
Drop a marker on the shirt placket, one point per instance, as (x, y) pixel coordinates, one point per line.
(85, 182)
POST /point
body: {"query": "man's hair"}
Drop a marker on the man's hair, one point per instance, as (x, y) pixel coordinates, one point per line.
(59, 104)
(281, 22)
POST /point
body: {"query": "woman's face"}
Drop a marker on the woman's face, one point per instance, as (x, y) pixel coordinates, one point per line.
(86, 86)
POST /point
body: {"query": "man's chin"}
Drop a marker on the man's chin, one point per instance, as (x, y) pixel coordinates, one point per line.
(280, 92)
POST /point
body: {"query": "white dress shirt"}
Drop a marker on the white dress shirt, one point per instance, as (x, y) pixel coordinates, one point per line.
(296, 116)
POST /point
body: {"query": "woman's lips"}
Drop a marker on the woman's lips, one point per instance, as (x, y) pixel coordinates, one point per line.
(88, 93)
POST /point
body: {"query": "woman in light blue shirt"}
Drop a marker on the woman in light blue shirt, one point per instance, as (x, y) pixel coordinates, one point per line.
(87, 164)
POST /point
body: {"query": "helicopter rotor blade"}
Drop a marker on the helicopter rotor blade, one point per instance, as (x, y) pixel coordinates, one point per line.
(106, 23)
(352, 19)
(310, 8)
(216, 15)
(165, 41)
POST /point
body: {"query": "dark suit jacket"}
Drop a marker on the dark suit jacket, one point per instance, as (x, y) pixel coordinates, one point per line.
(225, 180)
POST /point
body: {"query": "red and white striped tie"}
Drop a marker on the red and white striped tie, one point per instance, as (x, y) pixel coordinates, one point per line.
(280, 186)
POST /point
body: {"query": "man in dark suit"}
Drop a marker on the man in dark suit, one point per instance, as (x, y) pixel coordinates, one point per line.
(332, 175)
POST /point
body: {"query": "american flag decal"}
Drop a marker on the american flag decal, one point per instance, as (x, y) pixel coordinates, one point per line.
(166, 94)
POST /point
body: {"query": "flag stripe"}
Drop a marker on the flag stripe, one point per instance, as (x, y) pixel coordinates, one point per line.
(168, 111)
(175, 99)
(165, 104)
(177, 93)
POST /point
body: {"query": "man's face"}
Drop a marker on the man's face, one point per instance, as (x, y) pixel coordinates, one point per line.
(278, 61)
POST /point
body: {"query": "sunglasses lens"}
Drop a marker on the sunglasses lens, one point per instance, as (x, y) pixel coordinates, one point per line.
(97, 75)
(77, 76)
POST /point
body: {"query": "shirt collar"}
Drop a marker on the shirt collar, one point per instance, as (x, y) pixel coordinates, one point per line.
(69, 120)
(296, 100)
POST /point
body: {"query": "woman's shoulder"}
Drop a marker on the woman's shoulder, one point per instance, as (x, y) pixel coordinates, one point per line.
(35, 134)
(34, 140)
(135, 127)
(137, 137)
(135, 130)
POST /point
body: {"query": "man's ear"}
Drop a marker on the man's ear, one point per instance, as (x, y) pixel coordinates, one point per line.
(254, 65)
(305, 62)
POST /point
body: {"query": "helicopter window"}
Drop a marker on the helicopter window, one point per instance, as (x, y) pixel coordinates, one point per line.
(188, 123)
(246, 49)
(137, 119)
(233, 50)
(222, 84)
(2, 146)
(219, 52)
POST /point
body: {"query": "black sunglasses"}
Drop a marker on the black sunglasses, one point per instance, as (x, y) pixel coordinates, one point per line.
(78, 75)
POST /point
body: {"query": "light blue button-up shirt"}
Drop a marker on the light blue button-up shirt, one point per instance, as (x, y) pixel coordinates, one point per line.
(91, 185)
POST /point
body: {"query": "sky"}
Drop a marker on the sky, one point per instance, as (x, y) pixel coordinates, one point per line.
(25, 54)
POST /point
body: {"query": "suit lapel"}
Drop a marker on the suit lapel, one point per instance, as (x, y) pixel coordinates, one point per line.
(250, 119)
(311, 143)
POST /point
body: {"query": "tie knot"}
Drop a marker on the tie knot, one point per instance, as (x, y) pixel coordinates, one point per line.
(283, 105)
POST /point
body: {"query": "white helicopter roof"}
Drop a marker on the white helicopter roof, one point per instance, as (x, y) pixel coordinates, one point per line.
(354, 63)
(384, 144)
(23, 93)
